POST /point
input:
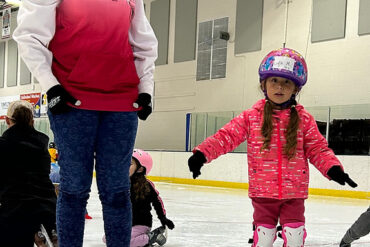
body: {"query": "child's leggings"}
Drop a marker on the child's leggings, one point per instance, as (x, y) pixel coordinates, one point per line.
(271, 211)
(139, 236)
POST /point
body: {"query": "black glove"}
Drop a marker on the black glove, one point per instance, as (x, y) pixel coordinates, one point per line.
(336, 173)
(144, 100)
(58, 98)
(167, 222)
(196, 162)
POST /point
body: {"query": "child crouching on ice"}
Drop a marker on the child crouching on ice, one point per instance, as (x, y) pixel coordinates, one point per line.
(143, 196)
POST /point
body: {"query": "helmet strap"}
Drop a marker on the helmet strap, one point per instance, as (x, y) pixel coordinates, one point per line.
(141, 171)
(283, 105)
(138, 167)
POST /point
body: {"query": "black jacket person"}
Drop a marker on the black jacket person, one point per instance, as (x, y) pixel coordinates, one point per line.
(27, 197)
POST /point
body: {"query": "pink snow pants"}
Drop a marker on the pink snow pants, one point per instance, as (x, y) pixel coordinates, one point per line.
(139, 236)
(270, 211)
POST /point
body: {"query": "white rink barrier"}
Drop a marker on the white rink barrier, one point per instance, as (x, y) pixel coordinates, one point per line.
(231, 170)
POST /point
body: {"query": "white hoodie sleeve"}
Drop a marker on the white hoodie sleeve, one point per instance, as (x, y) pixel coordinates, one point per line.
(36, 27)
(144, 45)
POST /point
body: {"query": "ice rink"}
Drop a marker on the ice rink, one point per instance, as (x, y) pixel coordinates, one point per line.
(209, 216)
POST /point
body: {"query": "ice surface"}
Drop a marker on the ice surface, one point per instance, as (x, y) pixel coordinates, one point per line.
(209, 216)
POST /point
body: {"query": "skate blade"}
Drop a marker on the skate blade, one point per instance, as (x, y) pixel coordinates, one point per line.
(46, 235)
(162, 238)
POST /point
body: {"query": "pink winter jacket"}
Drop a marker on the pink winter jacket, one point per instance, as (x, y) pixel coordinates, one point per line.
(271, 174)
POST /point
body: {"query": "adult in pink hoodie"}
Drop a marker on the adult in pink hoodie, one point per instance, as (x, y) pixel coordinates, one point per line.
(281, 137)
(95, 61)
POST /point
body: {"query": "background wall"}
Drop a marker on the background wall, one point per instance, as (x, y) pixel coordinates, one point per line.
(338, 69)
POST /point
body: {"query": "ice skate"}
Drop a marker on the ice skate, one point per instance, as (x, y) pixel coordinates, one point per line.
(158, 236)
(54, 238)
(49, 242)
(40, 239)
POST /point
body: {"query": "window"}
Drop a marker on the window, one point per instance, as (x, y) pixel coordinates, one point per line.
(12, 67)
(2, 63)
(25, 74)
(203, 125)
(212, 51)
(364, 18)
(185, 30)
(160, 21)
(349, 129)
(348, 132)
(248, 27)
(328, 20)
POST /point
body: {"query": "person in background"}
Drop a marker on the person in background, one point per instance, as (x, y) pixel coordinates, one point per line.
(95, 61)
(281, 137)
(54, 169)
(27, 197)
(53, 152)
(143, 196)
(360, 228)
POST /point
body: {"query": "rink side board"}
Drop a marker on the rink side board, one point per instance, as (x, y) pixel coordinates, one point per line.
(212, 183)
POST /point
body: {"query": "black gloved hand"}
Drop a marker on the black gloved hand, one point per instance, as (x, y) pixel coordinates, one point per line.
(58, 98)
(144, 100)
(195, 162)
(336, 173)
(167, 222)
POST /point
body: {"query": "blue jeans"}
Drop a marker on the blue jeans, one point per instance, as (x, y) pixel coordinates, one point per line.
(111, 136)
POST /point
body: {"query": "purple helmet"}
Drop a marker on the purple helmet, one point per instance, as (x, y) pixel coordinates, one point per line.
(286, 63)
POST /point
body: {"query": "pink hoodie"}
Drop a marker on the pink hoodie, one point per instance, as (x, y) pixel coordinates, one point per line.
(271, 174)
(93, 59)
(101, 52)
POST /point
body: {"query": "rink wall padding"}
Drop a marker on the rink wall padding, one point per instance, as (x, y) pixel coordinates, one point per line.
(231, 171)
(200, 182)
(312, 191)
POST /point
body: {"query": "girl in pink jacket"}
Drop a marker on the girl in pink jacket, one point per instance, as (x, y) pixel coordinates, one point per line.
(281, 136)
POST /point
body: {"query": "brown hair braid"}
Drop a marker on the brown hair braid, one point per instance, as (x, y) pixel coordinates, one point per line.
(267, 125)
(291, 133)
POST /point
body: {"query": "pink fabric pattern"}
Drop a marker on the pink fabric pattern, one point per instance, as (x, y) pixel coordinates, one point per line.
(139, 236)
(271, 174)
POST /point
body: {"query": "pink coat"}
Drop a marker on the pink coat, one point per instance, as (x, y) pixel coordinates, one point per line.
(101, 52)
(271, 174)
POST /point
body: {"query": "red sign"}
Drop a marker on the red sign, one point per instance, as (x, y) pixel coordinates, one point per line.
(35, 100)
